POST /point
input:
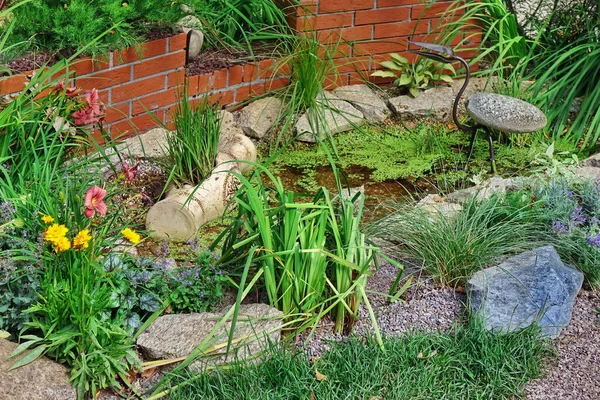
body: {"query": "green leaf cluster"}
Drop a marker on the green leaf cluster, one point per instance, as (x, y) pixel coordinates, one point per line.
(414, 77)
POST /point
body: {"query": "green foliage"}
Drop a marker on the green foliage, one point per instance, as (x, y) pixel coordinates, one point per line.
(423, 74)
(63, 27)
(467, 364)
(193, 147)
(312, 254)
(199, 287)
(452, 247)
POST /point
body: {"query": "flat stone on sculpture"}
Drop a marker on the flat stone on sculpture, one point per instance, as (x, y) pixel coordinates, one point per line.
(505, 113)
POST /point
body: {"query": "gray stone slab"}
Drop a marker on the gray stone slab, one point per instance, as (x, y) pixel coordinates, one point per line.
(43, 379)
(532, 287)
(331, 115)
(433, 103)
(177, 335)
(365, 100)
(259, 116)
(505, 113)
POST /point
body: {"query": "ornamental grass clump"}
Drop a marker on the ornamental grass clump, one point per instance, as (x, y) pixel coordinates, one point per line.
(452, 247)
(193, 147)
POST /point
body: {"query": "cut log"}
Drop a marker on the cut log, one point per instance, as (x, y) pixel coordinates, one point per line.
(181, 214)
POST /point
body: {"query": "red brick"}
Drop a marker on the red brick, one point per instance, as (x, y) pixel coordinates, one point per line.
(275, 84)
(177, 42)
(191, 84)
(159, 64)
(140, 123)
(380, 47)
(395, 3)
(395, 14)
(144, 50)
(306, 9)
(154, 101)
(219, 80)
(346, 34)
(204, 83)
(333, 81)
(249, 91)
(345, 5)
(138, 88)
(105, 79)
(224, 98)
(353, 64)
(357, 78)
(335, 51)
(429, 11)
(250, 72)
(396, 29)
(236, 74)
(117, 112)
(12, 84)
(266, 68)
(176, 78)
(327, 21)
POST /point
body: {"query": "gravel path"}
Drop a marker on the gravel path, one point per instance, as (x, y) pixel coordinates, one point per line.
(575, 374)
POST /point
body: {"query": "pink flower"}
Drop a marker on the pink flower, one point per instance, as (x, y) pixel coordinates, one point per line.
(94, 201)
(93, 100)
(70, 91)
(85, 117)
(129, 171)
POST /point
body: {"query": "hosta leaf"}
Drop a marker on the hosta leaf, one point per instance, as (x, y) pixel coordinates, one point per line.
(449, 67)
(399, 58)
(404, 80)
(414, 91)
(384, 74)
(392, 65)
(446, 78)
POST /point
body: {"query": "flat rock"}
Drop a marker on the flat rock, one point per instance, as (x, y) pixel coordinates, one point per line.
(259, 116)
(43, 379)
(485, 190)
(177, 335)
(435, 206)
(152, 144)
(588, 172)
(332, 116)
(434, 103)
(532, 287)
(505, 113)
(365, 100)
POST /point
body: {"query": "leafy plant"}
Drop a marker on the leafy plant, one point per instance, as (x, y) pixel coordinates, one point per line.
(193, 147)
(413, 77)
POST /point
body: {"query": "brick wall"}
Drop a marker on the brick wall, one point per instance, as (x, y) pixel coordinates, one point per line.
(149, 78)
(369, 30)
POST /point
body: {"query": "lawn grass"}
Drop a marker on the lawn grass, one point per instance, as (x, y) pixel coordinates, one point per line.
(468, 363)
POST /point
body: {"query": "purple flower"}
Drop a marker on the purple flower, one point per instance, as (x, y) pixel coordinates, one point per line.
(559, 227)
(193, 243)
(594, 241)
(577, 216)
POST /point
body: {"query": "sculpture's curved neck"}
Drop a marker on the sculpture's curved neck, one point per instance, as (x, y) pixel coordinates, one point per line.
(459, 95)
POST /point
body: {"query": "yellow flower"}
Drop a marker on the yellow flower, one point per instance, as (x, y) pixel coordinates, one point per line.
(62, 244)
(131, 235)
(55, 233)
(47, 219)
(82, 240)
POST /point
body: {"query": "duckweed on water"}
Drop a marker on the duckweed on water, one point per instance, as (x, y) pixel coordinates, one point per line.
(395, 152)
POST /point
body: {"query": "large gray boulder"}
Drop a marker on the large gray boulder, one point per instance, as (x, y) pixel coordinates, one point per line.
(365, 100)
(331, 115)
(532, 287)
(484, 190)
(177, 335)
(259, 116)
(43, 379)
(434, 103)
(505, 113)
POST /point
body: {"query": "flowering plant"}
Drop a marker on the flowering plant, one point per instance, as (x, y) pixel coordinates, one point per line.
(70, 111)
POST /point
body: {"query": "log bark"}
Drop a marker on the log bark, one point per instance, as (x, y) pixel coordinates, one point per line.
(181, 214)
